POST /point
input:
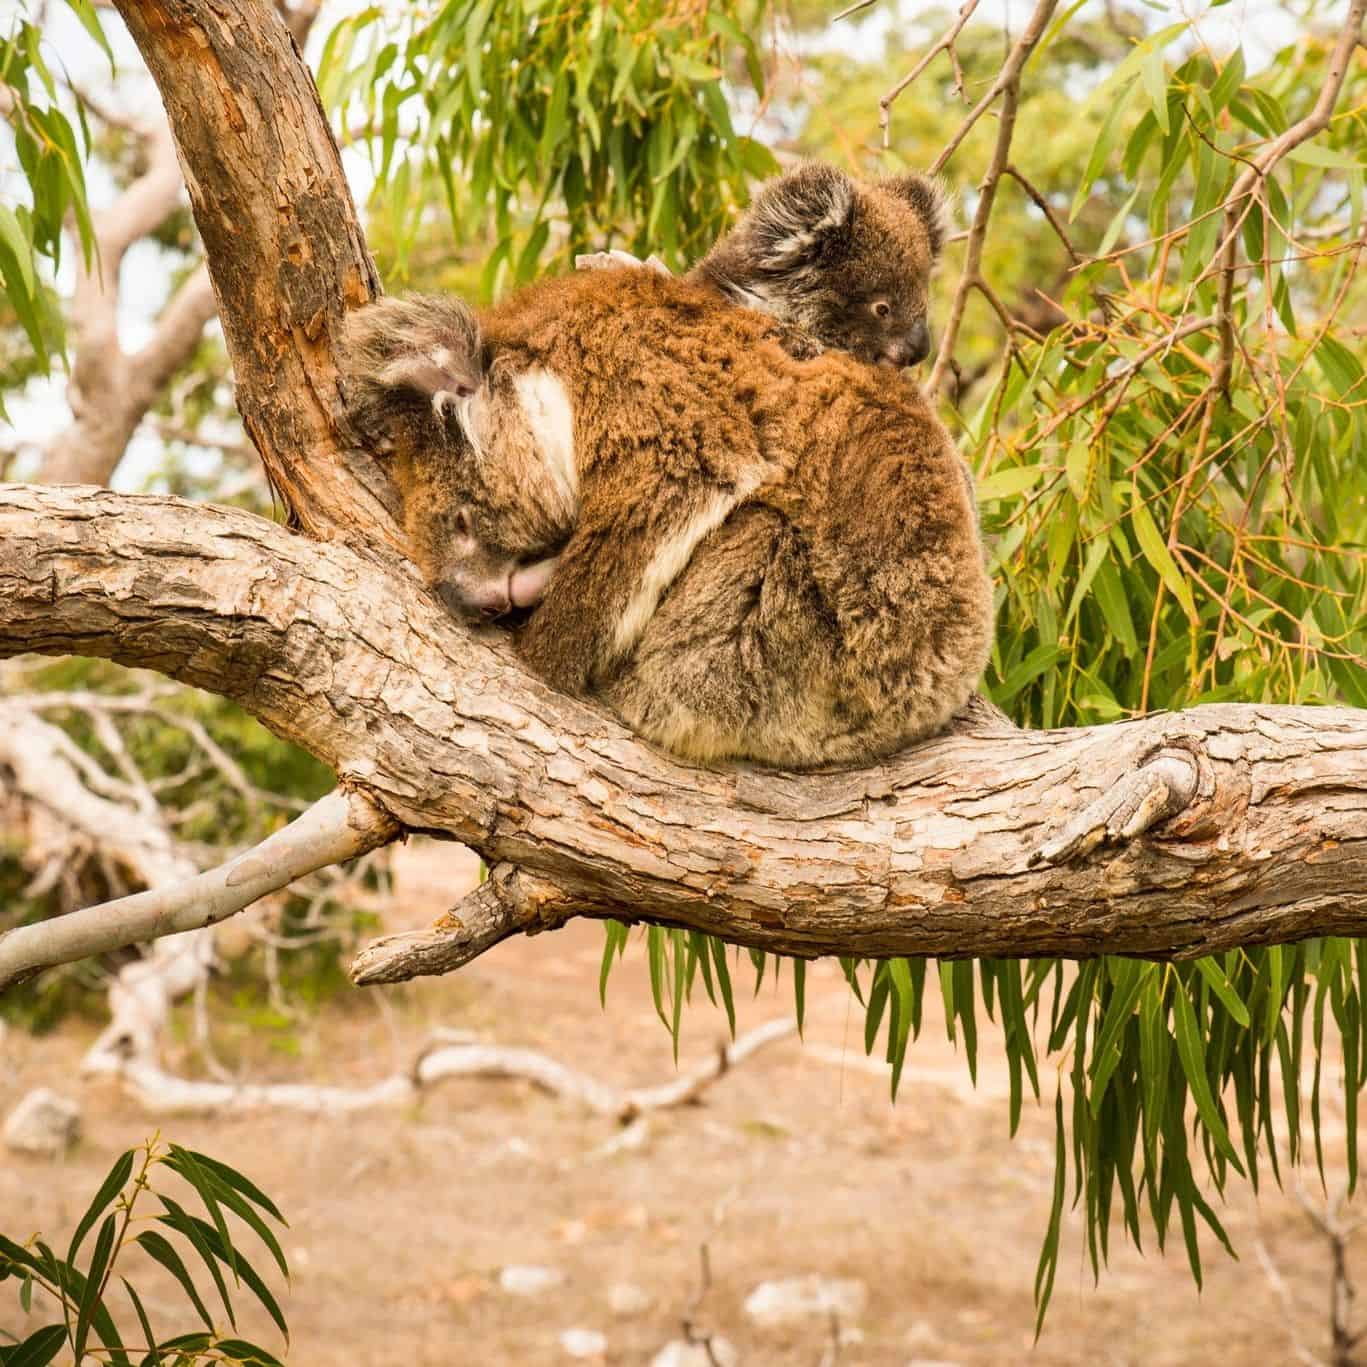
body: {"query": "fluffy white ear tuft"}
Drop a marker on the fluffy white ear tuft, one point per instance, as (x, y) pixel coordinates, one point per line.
(931, 198)
(803, 216)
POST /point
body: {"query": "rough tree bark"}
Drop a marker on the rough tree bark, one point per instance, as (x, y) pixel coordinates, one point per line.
(285, 250)
(1171, 835)
(111, 391)
(967, 845)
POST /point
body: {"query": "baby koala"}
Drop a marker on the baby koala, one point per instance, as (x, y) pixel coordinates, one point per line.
(843, 265)
(420, 382)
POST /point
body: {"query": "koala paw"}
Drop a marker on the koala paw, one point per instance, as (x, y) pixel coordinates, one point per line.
(440, 375)
(405, 361)
(601, 261)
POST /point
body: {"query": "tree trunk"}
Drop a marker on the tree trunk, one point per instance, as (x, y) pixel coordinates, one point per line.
(284, 248)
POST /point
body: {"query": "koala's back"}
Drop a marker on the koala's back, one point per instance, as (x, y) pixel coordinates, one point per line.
(839, 614)
(653, 364)
(837, 611)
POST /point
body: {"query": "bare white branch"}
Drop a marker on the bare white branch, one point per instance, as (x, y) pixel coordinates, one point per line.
(340, 826)
(164, 1093)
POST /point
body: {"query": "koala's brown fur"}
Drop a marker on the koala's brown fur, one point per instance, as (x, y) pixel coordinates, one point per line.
(844, 264)
(758, 556)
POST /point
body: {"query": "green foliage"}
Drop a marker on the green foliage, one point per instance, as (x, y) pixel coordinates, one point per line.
(1161, 543)
(76, 1292)
(1157, 542)
(52, 159)
(552, 125)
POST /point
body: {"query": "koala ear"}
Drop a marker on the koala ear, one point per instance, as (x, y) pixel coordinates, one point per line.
(928, 198)
(803, 217)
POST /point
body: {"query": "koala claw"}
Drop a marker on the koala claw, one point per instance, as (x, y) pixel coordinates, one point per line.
(444, 402)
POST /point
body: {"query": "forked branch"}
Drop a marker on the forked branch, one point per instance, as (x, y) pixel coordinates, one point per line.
(970, 844)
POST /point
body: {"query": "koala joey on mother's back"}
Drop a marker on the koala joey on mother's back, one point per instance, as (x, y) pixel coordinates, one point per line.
(843, 265)
(743, 553)
(845, 262)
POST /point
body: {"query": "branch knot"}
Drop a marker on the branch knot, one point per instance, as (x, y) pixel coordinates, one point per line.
(1165, 779)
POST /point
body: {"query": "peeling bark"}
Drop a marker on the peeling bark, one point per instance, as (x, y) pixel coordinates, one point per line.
(948, 849)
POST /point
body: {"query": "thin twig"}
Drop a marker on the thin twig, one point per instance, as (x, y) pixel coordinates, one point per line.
(944, 43)
(337, 827)
(1007, 85)
(1007, 78)
(1249, 184)
(1046, 209)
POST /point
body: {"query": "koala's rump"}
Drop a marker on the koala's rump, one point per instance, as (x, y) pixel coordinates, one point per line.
(836, 616)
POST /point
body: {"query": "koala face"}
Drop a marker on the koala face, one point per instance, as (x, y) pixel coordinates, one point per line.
(487, 514)
(866, 289)
(848, 263)
(477, 580)
(878, 317)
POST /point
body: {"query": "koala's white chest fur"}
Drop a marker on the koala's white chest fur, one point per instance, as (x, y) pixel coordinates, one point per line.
(546, 406)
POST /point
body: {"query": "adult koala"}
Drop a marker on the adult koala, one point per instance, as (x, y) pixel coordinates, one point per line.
(743, 552)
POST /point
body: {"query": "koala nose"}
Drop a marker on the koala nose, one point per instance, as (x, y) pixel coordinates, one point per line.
(917, 343)
(482, 599)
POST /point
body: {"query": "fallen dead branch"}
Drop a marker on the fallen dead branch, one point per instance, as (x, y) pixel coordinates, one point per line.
(163, 1093)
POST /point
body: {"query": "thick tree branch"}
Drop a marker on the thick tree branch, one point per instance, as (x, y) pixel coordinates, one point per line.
(1234, 825)
(1167, 836)
(110, 391)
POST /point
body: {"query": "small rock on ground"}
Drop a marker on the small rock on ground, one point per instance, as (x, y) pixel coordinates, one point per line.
(626, 1299)
(528, 1279)
(43, 1123)
(584, 1343)
(794, 1298)
(679, 1353)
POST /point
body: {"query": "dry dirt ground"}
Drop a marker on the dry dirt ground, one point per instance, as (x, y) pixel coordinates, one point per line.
(794, 1163)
